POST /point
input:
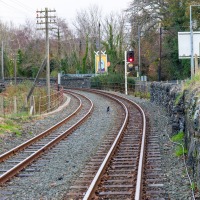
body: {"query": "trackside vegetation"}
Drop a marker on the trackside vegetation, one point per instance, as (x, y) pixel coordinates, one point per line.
(179, 140)
(74, 51)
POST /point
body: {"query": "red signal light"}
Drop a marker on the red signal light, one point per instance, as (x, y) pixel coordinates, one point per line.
(130, 56)
(130, 60)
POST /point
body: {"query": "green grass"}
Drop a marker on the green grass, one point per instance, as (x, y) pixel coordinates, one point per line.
(179, 151)
(178, 97)
(190, 83)
(12, 123)
(193, 186)
(179, 137)
(11, 127)
(145, 95)
(20, 117)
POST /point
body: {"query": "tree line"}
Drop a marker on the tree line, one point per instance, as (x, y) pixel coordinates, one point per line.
(149, 27)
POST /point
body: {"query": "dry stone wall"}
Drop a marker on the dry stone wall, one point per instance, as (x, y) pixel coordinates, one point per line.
(183, 107)
(167, 95)
(76, 82)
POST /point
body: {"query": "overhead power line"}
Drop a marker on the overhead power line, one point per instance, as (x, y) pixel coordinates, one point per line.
(26, 7)
(15, 8)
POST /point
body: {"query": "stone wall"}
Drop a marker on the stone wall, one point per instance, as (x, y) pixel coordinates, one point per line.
(183, 107)
(169, 96)
(75, 82)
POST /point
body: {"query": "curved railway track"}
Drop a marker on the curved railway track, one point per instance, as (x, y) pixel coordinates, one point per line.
(15, 160)
(126, 166)
(129, 169)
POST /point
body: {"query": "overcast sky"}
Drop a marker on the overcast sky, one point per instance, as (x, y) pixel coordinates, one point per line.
(20, 10)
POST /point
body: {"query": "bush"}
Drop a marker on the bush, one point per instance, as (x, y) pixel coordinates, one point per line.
(110, 81)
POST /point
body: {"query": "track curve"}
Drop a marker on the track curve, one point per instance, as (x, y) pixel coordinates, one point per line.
(13, 161)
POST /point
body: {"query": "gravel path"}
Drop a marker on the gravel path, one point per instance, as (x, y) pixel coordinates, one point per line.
(52, 183)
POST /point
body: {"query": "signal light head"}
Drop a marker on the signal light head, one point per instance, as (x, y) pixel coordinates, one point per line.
(130, 66)
(130, 56)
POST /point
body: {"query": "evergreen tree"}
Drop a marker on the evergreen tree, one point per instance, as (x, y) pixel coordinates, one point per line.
(175, 19)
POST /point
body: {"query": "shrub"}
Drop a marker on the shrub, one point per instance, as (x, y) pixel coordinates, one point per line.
(110, 81)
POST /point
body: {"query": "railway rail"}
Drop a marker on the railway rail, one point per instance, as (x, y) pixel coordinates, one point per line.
(129, 170)
(126, 166)
(15, 160)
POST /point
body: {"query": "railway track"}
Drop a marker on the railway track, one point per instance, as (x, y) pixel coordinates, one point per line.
(154, 179)
(18, 158)
(127, 165)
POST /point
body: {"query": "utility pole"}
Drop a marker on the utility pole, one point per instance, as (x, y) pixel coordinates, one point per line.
(100, 47)
(59, 44)
(160, 52)
(139, 52)
(15, 68)
(80, 53)
(2, 62)
(48, 19)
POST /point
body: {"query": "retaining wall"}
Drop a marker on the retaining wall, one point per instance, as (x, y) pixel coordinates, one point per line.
(183, 107)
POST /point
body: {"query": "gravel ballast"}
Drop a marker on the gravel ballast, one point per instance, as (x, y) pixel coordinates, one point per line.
(66, 163)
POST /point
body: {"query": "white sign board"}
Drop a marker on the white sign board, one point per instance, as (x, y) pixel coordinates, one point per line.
(184, 43)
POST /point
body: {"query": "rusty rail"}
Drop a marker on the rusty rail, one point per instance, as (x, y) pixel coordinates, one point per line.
(90, 192)
(24, 145)
(13, 171)
(103, 166)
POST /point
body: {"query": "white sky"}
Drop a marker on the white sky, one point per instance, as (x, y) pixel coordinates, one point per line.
(18, 11)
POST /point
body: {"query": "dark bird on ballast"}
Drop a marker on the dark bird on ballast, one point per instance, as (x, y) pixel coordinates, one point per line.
(108, 109)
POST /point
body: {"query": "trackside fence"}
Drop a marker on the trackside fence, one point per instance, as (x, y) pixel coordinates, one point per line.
(37, 104)
(139, 88)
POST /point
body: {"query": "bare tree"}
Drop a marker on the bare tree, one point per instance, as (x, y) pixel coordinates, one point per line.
(86, 26)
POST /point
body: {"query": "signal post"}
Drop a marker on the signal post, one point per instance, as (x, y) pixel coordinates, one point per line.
(128, 64)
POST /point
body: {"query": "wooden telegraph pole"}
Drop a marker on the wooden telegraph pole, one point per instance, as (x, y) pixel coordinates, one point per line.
(48, 19)
(2, 62)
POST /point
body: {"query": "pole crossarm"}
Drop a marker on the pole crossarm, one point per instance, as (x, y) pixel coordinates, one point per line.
(48, 18)
(43, 11)
(45, 28)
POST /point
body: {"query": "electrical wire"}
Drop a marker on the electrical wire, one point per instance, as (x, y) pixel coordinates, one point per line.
(23, 5)
(7, 4)
(10, 6)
